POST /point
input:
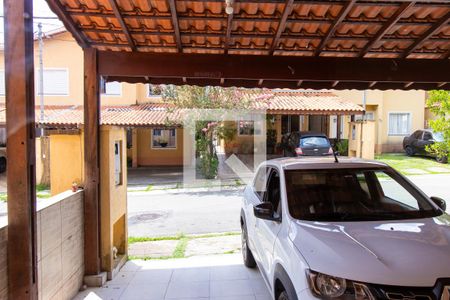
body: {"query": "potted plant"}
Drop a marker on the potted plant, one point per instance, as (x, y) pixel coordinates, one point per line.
(162, 141)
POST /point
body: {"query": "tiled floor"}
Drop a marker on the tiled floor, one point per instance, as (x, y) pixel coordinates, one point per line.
(215, 277)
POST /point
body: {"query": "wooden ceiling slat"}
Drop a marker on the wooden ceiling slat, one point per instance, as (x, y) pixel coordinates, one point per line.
(228, 33)
(431, 31)
(281, 25)
(119, 17)
(175, 24)
(387, 26)
(342, 14)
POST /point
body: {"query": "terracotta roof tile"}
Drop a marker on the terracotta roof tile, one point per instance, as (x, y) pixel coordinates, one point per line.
(160, 114)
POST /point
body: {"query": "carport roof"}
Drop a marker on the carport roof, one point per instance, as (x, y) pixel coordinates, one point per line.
(371, 38)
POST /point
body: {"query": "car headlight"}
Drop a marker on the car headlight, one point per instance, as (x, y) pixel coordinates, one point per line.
(332, 287)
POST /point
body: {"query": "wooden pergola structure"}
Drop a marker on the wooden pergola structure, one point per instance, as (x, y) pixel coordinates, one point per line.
(339, 44)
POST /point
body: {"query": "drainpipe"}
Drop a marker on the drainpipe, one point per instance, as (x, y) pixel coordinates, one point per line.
(41, 79)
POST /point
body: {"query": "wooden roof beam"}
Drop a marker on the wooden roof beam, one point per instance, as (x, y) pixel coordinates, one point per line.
(228, 34)
(64, 16)
(281, 25)
(431, 31)
(273, 68)
(119, 17)
(175, 24)
(387, 27)
(342, 14)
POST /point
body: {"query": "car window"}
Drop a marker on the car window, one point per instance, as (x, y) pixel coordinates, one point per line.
(353, 195)
(259, 184)
(392, 190)
(417, 134)
(314, 141)
(427, 136)
(438, 136)
(273, 194)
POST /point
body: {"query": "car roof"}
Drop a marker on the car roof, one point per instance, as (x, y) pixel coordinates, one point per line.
(309, 134)
(328, 162)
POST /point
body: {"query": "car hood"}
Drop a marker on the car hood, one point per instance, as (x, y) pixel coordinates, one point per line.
(404, 253)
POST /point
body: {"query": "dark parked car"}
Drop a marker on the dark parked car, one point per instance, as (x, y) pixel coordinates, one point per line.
(417, 142)
(306, 144)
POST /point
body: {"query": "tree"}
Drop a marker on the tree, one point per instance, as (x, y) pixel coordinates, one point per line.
(197, 99)
(439, 104)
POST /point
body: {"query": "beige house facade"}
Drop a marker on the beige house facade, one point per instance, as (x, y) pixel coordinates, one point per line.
(395, 113)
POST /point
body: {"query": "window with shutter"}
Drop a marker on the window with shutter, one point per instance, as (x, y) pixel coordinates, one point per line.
(399, 123)
(113, 89)
(56, 82)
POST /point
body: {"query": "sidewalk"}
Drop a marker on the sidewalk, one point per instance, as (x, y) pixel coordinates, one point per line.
(184, 246)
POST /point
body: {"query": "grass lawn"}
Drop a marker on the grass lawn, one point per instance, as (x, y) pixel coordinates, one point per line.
(415, 165)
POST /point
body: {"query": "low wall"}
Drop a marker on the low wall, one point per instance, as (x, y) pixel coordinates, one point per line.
(3, 263)
(60, 247)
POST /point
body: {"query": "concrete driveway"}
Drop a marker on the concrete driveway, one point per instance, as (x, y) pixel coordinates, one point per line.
(169, 212)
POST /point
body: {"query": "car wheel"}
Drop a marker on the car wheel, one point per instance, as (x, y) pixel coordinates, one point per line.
(441, 159)
(283, 296)
(249, 260)
(409, 151)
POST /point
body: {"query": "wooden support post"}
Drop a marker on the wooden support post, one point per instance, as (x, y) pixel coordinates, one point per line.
(20, 128)
(91, 163)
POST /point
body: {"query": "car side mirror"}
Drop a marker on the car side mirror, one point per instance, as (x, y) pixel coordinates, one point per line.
(439, 202)
(265, 211)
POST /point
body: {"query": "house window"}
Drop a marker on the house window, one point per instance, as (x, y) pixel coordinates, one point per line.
(246, 127)
(113, 89)
(154, 90)
(164, 138)
(399, 123)
(118, 163)
(2, 82)
(369, 116)
(56, 82)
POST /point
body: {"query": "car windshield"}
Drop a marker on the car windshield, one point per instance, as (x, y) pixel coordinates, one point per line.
(314, 141)
(354, 195)
(438, 136)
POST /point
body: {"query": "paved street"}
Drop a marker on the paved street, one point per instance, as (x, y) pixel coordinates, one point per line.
(162, 213)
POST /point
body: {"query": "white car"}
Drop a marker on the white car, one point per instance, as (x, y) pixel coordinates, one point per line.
(353, 229)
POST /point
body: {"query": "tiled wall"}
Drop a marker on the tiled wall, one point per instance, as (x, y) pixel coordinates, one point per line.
(60, 242)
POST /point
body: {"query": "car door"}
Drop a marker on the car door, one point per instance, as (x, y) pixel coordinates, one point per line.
(266, 230)
(427, 141)
(414, 139)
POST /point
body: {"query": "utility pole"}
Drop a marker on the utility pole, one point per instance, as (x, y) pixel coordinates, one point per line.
(41, 77)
